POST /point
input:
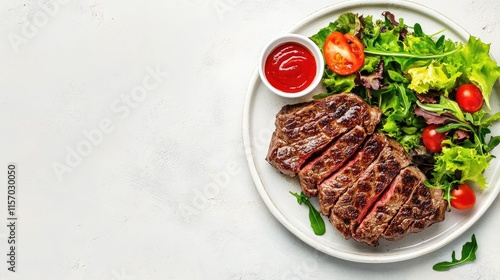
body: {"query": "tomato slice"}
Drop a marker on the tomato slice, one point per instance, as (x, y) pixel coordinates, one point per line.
(464, 197)
(344, 53)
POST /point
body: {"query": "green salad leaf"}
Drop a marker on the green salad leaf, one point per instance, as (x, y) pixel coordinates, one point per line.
(434, 76)
(467, 161)
(397, 104)
(317, 223)
(444, 105)
(346, 23)
(412, 76)
(488, 121)
(477, 66)
(469, 250)
(338, 83)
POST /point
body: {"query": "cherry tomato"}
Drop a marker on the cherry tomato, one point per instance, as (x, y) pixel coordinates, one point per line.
(432, 139)
(344, 53)
(464, 197)
(469, 98)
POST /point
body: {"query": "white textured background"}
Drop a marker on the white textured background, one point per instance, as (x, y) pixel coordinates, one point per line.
(131, 207)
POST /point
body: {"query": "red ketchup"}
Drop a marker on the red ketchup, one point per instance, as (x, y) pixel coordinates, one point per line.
(290, 67)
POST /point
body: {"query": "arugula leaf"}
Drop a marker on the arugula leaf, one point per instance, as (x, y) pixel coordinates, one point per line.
(494, 141)
(445, 105)
(468, 255)
(406, 54)
(397, 77)
(489, 120)
(317, 223)
(412, 49)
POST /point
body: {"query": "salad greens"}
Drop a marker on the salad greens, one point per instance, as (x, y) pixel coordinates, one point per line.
(468, 255)
(317, 223)
(412, 77)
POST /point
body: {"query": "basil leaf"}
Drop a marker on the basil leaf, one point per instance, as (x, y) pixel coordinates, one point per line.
(468, 255)
(317, 223)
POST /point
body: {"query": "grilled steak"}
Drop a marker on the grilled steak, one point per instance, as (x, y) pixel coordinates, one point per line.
(330, 160)
(362, 179)
(306, 128)
(425, 207)
(333, 187)
(353, 205)
(377, 220)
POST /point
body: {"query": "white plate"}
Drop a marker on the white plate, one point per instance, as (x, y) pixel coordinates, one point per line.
(260, 110)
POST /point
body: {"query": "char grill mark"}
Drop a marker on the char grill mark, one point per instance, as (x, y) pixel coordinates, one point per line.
(425, 207)
(333, 187)
(332, 158)
(377, 220)
(306, 128)
(353, 205)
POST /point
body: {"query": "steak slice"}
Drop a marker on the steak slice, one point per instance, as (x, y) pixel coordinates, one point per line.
(377, 220)
(353, 205)
(306, 128)
(333, 187)
(425, 207)
(331, 159)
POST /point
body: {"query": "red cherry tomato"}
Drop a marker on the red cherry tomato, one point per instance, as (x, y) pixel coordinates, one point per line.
(432, 139)
(464, 197)
(469, 98)
(344, 53)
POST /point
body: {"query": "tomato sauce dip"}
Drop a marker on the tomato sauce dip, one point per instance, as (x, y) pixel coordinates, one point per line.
(290, 67)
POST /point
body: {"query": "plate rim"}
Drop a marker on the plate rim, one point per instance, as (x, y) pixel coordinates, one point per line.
(247, 143)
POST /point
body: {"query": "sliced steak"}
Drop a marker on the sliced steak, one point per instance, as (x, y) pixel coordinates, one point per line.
(333, 187)
(425, 207)
(332, 158)
(306, 128)
(377, 220)
(353, 205)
